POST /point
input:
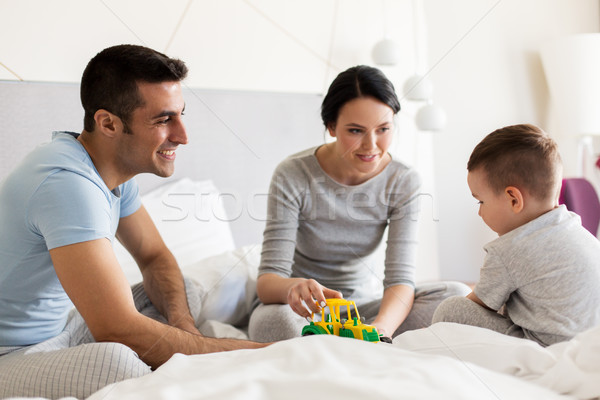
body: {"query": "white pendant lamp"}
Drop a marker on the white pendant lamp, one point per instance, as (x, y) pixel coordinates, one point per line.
(418, 87)
(430, 118)
(386, 52)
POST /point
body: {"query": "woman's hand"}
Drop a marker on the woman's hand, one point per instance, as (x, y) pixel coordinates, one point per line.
(311, 293)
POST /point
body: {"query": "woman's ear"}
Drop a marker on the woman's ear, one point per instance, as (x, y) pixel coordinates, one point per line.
(331, 129)
(107, 123)
(515, 196)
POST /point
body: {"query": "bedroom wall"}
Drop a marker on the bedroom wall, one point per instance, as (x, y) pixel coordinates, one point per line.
(223, 146)
(487, 74)
(232, 45)
(255, 45)
(482, 56)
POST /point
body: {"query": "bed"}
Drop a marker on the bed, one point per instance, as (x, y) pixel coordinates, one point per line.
(446, 360)
(443, 361)
(331, 367)
(211, 214)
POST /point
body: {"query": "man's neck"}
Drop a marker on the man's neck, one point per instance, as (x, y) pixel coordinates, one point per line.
(102, 159)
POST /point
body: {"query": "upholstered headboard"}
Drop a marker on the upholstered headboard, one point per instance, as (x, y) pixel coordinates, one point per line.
(236, 139)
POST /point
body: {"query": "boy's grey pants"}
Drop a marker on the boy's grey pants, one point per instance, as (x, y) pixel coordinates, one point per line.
(461, 310)
(72, 363)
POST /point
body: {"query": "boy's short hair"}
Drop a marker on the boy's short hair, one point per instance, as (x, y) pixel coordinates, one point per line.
(523, 156)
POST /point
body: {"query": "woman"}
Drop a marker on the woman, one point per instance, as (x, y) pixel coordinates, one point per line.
(327, 212)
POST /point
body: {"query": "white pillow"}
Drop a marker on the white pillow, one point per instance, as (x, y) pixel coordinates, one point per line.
(226, 284)
(191, 220)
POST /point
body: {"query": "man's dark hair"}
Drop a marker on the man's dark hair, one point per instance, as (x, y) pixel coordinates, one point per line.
(523, 156)
(110, 80)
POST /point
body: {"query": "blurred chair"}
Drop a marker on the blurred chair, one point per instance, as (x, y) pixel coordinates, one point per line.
(579, 196)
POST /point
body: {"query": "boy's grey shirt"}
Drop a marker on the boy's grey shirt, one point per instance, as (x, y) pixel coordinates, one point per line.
(321, 229)
(547, 272)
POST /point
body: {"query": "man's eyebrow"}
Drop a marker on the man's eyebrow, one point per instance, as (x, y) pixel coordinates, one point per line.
(167, 113)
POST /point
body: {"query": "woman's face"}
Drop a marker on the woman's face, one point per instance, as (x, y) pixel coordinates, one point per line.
(364, 133)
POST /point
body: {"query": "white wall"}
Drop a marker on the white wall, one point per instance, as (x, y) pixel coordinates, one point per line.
(259, 45)
(488, 74)
(482, 54)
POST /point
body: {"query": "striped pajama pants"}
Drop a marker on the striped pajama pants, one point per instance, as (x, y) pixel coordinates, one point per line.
(72, 363)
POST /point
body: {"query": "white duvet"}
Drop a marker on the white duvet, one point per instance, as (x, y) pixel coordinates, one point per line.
(445, 361)
(571, 367)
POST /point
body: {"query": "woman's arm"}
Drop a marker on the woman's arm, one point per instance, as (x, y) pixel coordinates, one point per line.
(401, 254)
(396, 304)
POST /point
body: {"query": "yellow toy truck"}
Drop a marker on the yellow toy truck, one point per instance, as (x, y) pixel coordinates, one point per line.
(342, 320)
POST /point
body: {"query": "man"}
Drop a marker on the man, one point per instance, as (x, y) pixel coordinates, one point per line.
(61, 208)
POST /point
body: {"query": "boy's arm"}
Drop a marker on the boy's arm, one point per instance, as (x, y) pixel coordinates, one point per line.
(473, 297)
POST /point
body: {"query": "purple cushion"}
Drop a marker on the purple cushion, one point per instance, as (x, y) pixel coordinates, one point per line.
(579, 196)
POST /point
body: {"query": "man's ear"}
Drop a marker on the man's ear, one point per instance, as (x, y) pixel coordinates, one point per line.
(107, 123)
(515, 196)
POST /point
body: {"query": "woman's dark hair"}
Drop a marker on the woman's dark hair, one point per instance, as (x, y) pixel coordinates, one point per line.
(110, 79)
(355, 82)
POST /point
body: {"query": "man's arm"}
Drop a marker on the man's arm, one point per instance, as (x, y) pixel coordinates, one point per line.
(163, 281)
(92, 277)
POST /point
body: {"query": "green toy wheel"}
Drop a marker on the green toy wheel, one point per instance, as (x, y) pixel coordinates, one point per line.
(313, 330)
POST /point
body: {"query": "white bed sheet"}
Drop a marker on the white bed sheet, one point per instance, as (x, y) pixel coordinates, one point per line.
(324, 367)
(571, 367)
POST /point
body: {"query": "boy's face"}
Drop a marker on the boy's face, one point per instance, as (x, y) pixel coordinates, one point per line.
(494, 208)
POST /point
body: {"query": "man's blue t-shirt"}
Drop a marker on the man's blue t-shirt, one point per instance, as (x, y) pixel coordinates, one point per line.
(54, 198)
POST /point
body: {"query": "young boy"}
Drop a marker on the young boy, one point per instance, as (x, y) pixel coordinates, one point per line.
(541, 276)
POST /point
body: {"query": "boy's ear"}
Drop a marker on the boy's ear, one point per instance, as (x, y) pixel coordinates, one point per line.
(107, 123)
(515, 196)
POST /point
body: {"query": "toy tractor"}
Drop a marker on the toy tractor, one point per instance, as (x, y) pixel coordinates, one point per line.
(342, 320)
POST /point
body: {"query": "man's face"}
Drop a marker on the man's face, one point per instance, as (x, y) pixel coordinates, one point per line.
(155, 130)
